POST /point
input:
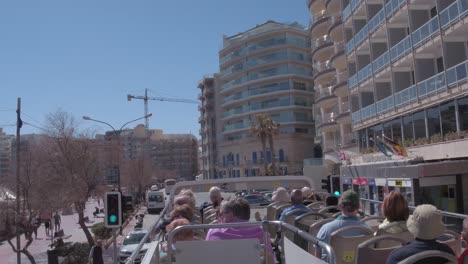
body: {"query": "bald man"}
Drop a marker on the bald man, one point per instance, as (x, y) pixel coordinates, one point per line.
(297, 203)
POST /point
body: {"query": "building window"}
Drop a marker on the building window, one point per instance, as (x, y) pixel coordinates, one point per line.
(237, 159)
(254, 157)
(447, 116)
(408, 128)
(224, 160)
(463, 113)
(281, 155)
(433, 121)
(268, 156)
(299, 86)
(419, 125)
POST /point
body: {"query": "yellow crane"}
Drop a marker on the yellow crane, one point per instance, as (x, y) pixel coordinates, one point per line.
(145, 98)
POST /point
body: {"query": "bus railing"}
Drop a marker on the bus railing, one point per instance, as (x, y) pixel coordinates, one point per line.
(278, 224)
(152, 229)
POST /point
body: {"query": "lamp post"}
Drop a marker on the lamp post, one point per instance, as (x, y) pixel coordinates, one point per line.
(117, 134)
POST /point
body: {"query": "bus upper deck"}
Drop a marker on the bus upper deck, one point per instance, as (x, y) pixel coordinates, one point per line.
(298, 243)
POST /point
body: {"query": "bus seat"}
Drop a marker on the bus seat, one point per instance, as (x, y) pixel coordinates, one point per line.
(325, 210)
(335, 215)
(406, 235)
(314, 229)
(247, 251)
(451, 239)
(277, 210)
(316, 206)
(304, 222)
(345, 242)
(271, 210)
(451, 259)
(373, 221)
(290, 219)
(370, 252)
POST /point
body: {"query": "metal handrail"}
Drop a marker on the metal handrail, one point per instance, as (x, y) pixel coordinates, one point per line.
(279, 224)
(137, 250)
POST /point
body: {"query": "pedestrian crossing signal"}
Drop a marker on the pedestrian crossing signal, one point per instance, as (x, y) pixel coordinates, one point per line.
(113, 210)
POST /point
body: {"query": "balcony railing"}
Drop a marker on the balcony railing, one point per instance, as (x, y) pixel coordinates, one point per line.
(382, 61)
(432, 85)
(313, 162)
(384, 105)
(376, 21)
(320, 41)
(342, 76)
(405, 96)
(364, 73)
(425, 31)
(368, 111)
(356, 116)
(458, 72)
(392, 6)
(452, 12)
(361, 35)
(352, 81)
(346, 12)
(321, 66)
(349, 46)
(401, 48)
(344, 107)
(339, 46)
(325, 92)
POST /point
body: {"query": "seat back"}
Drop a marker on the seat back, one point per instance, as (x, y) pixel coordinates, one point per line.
(303, 222)
(451, 239)
(369, 252)
(290, 219)
(430, 254)
(314, 229)
(316, 206)
(271, 210)
(218, 251)
(373, 221)
(346, 240)
(277, 210)
(325, 210)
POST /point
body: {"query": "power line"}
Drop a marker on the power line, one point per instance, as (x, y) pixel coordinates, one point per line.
(31, 117)
(46, 130)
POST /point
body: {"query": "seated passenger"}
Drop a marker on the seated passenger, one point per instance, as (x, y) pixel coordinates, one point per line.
(215, 198)
(464, 237)
(349, 204)
(426, 225)
(182, 212)
(185, 196)
(183, 235)
(237, 210)
(395, 209)
(297, 203)
(281, 195)
(332, 200)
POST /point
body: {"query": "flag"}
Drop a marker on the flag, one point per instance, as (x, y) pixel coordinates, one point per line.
(343, 155)
(397, 148)
(383, 147)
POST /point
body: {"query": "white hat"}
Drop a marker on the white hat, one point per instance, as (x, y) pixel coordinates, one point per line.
(426, 222)
(280, 195)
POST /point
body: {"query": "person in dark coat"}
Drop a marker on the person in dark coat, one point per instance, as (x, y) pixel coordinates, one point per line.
(95, 255)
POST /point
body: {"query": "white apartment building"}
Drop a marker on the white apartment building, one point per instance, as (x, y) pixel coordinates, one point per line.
(264, 70)
(408, 70)
(333, 117)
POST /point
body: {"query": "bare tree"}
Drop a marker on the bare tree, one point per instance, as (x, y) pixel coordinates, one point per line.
(73, 157)
(136, 174)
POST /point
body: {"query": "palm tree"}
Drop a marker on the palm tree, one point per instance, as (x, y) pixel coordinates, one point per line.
(265, 129)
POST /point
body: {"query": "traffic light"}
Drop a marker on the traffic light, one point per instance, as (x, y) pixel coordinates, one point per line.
(127, 204)
(336, 185)
(113, 210)
(326, 184)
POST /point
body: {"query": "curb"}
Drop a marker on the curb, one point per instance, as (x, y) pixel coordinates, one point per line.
(117, 232)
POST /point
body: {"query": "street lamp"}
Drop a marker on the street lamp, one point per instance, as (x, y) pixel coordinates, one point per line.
(117, 133)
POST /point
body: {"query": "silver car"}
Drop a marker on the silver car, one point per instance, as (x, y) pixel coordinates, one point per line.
(130, 243)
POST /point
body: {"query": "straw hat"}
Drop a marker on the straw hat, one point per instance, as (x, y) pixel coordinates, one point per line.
(426, 222)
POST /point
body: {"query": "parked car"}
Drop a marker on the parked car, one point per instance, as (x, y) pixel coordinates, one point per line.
(129, 244)
(257, 199)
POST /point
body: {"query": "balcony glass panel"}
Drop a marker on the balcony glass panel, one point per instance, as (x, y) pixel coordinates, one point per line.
(457, 73)
(346, 12)
(361, 35)
(405, 96)
(432, 84)
(401, 48)
(449, 14)
(352, 81)
(377, 20)
(368, 112)
(382, 61)
(364, 73)
(384, 104)
(349, 46)
(356, 116)
(425, 31)
(392, 6)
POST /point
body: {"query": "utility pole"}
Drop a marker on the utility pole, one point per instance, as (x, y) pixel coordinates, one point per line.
(19, 124)
(145, 99)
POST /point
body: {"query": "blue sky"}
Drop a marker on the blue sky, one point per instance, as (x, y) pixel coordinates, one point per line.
(85, 56)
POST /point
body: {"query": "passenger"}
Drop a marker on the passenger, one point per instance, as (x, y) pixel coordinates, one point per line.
(183, 235)
(297, 203)
(182, 212)
(349, 204)
(281, 195)
(237, 210)
(307, 195)
(181, 199)
(215, 197)
(190, 194)
(332, 200)
(464, 237)
(395, 209)
(426, 225)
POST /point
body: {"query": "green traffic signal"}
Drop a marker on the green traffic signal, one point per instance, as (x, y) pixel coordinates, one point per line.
(113, 218)
(337, 193)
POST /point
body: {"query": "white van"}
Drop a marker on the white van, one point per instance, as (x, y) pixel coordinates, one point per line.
(154, 201)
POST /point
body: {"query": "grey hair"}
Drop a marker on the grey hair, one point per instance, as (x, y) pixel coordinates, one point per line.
(238, 206)
(215, 190)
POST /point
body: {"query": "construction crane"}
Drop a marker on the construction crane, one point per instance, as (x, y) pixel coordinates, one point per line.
(145, 98)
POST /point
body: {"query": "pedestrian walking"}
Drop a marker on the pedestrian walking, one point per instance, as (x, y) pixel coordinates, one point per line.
(95, 255)
(35, 224)
(57, 221)
(99, 202)
(47, 226)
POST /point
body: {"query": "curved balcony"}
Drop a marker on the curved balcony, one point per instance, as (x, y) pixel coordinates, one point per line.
(344, 116)
(324, 72)
(338, 59)
(319, 25)
(335, 30)
(316, 6)
(325, 98)
(322, 48)
(333, 6)
(326, 122)
(340, 89)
